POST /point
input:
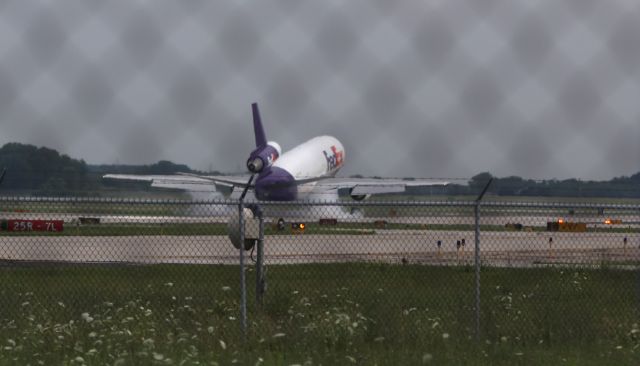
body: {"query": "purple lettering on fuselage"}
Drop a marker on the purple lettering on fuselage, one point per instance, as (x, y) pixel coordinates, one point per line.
(334, 159)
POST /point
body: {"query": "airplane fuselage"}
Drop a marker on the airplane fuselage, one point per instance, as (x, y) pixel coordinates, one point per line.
(321, 156)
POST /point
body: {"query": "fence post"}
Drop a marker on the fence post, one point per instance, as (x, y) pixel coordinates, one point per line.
(476, 210)
(243, 283)
(260, 278)
(477, 258)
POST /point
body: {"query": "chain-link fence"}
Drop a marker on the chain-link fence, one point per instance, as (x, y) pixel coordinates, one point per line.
(128, 280)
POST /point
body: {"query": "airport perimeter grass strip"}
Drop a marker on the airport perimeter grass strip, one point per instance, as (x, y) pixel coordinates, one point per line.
(152, 229)
(326, 314)
(149, 229)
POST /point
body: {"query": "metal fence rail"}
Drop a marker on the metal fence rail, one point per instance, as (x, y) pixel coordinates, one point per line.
(374, 270)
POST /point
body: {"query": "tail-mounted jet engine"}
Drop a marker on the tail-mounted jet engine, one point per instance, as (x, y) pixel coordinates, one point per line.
(263, 157)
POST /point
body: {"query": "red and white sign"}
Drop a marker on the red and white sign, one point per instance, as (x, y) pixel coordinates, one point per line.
(35, 225)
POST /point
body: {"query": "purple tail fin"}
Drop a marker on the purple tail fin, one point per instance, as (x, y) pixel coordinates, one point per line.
(258, 130)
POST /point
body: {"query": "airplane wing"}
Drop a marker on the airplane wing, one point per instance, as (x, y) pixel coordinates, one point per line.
(365, 186)
(358, 186)
(189, 182)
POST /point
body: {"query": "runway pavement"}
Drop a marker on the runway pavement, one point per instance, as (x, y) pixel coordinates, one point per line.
(628, 221)
(502, 248)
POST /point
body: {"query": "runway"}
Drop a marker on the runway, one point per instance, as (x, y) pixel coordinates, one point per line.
(540, 220)
(513, 249)
(413, 244)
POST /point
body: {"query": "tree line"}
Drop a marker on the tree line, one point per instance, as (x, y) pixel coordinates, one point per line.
(46, 171)
(620, 187)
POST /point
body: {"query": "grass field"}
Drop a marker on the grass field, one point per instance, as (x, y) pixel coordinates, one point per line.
(171, 205)
(150, 229)
(331, 314)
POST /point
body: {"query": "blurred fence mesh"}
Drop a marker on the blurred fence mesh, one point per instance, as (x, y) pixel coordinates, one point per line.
(399, 272)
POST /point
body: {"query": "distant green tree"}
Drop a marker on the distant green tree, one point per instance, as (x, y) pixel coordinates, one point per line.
(478, 181)
(167, 167)
(40, 168)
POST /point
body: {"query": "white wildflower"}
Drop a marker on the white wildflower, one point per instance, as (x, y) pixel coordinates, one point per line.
(427, 357)
(445, 335)
(222, 344)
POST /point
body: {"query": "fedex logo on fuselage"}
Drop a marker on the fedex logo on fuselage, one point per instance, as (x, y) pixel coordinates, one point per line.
(334, 159)
(271, 158)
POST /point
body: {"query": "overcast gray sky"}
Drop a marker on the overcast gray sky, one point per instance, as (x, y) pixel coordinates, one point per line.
(425, 88)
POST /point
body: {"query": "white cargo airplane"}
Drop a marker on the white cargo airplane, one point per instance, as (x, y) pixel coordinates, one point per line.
(307, 172)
